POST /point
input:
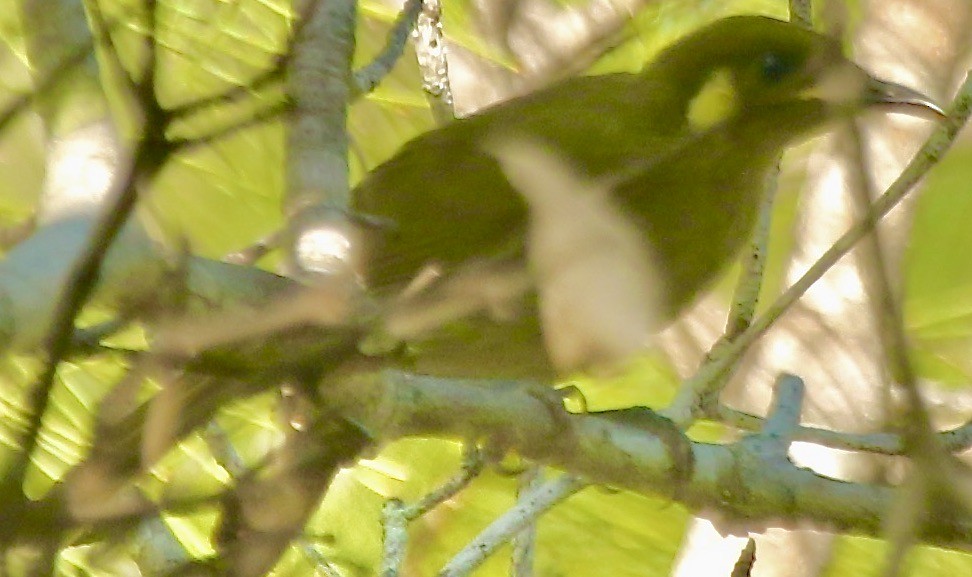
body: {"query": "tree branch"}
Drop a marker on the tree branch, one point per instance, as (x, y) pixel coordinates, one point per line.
(744, 480)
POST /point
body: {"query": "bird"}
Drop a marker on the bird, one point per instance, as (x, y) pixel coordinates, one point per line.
(677, 152)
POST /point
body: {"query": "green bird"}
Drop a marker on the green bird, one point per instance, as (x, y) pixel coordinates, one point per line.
(677, 153)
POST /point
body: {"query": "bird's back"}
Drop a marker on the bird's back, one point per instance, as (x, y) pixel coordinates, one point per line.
(449, 200)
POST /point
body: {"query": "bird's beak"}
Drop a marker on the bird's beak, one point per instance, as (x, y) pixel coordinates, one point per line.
(902, 99)
(849, 87)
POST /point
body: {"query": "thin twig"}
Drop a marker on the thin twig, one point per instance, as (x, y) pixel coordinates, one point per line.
(367, 78)
(151, 152)
(524, 543)
(472, 466)
(433, 61)
(743, 309)
(501, 530)
(934, 148)
(955, 440)
(746, 296)
(918, 435)
(396, 515)
(321, 563)
(394, 525)
(248, 255)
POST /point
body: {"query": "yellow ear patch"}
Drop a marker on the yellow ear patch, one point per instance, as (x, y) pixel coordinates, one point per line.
(715, 102)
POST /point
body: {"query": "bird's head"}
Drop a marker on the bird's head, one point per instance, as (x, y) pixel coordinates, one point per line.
(759, 67)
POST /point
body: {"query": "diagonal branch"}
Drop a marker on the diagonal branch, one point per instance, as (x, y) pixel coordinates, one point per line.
(934, 148)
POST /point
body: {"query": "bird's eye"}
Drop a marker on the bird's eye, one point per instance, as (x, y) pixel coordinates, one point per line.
(774, 67)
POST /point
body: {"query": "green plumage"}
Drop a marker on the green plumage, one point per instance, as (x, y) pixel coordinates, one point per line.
(693, 189)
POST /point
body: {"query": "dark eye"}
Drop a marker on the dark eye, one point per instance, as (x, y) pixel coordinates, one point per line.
(774, 67)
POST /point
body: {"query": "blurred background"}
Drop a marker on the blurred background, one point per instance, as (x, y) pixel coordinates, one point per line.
(227, 194)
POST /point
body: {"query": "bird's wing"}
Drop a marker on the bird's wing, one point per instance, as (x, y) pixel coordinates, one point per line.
(450, 201)
(444, 207)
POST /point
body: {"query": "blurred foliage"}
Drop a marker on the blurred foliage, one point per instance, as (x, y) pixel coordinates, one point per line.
(227, 194)
(863, 557)
(939, 278)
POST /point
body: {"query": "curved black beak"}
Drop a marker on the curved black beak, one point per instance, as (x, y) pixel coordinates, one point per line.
(902, 99)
